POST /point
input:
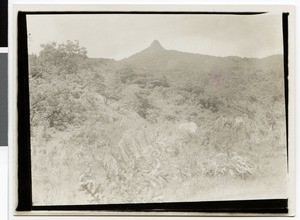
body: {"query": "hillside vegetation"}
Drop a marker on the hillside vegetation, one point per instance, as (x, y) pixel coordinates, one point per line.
(161, 125)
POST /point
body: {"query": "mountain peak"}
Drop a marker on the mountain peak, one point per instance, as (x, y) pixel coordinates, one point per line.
(156, 44)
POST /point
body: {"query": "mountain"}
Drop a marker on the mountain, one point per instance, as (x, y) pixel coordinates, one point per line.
(177, 65)
(156, 57)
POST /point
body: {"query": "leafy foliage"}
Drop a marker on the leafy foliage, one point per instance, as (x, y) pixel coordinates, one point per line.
(112, 129)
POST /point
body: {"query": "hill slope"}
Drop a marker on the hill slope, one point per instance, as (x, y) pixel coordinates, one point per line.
(161, 125)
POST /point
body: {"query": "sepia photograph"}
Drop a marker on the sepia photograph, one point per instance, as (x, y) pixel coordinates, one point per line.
(130, 108)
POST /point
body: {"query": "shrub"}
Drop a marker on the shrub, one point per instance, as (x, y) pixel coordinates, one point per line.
(230, 164)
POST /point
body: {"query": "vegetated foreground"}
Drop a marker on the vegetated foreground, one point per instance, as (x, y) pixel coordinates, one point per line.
(161, 125)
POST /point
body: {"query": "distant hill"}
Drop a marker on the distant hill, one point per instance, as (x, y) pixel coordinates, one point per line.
(176, 65)
(156, 57)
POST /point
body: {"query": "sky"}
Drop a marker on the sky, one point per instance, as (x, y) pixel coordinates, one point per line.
(120, 36)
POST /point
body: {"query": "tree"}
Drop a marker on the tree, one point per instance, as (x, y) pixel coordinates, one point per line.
(55, 97)
(66, 56)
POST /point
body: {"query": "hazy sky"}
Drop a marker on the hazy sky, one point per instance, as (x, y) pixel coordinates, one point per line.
(119, 36)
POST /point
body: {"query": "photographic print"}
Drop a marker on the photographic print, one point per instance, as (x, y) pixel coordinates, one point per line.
(138, 108)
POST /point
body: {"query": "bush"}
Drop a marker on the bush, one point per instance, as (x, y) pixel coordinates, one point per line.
(229, 164)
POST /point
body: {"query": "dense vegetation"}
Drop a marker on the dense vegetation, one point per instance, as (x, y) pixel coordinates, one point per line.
(158, 126)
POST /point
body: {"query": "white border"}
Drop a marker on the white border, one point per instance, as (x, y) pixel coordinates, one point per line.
(12, 83)
(3, 49)
(3, 182)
